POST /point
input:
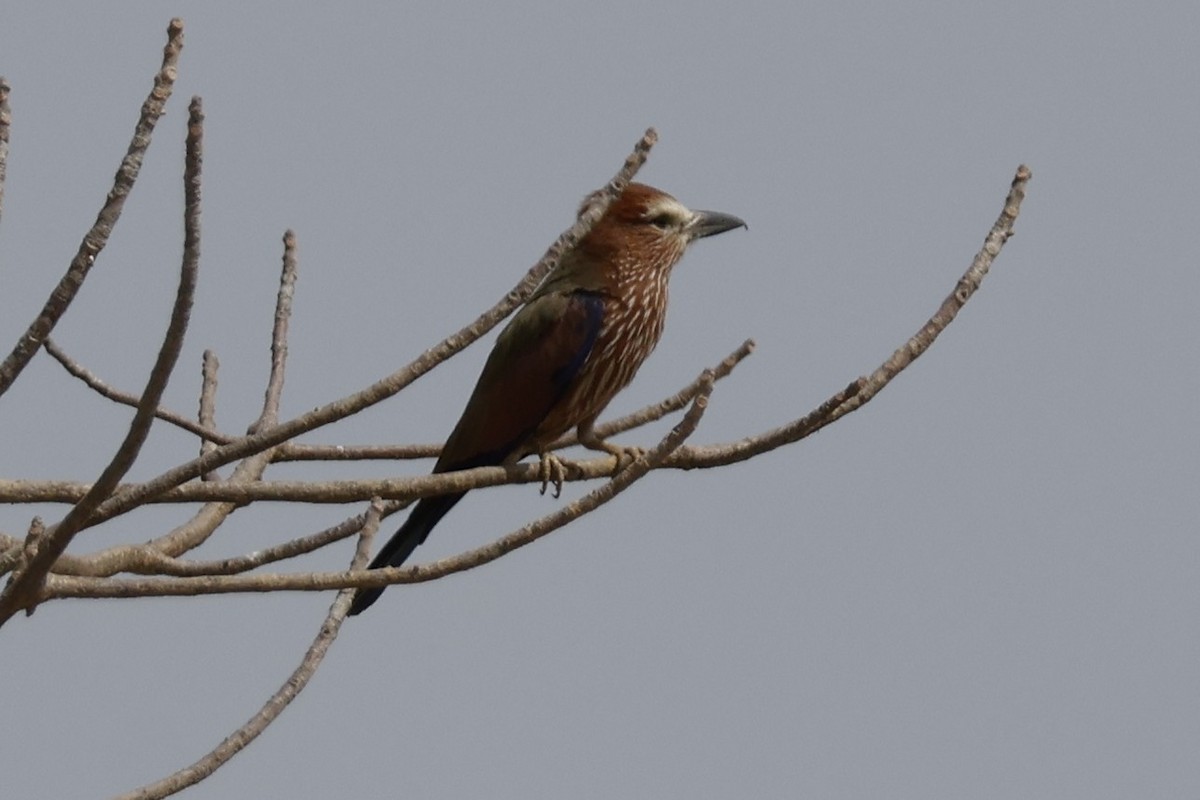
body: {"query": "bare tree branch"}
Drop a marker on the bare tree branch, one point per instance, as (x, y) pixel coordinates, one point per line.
(20, 491)
(207, 415)
(251, 470)
(96, 238)
(94, 382)
(237, 741)
(5, 123)
(24, 582)
(146, 561)
(62, 586)
(279, 333)
(153, 558)
(241, 492)
(298, 451)
(158, 555)
(864, 389)
(687, 457)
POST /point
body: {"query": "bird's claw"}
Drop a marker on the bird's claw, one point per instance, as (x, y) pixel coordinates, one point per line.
(552, 470)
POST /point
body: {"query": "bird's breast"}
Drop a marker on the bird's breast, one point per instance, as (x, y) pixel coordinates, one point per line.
(631, 327)
(630, 331)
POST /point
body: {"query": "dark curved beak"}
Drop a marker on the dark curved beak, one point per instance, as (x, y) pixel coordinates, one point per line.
(710, 223)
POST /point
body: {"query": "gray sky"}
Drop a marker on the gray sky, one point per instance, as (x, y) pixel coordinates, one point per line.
(982, 585)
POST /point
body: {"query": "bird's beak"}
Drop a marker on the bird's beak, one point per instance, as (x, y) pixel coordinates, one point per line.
(710, 223)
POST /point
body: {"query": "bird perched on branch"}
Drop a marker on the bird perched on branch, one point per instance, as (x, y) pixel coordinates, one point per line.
(577, 342)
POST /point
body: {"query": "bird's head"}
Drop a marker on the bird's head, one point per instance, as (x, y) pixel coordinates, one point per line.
(643, 233)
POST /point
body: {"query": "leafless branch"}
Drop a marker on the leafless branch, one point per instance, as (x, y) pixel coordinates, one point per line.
(96, 383)
(5, 122)
(207, 415)
(279, 332)
(864, 389)
(250, 470)
(323, 492)
(24, 582)
(62, 586)
(294, 451)
(687, 457)
(237, 741)
(280, 552)
(96, 238)
(151, 558)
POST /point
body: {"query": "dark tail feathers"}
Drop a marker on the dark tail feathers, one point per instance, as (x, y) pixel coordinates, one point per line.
(412, 533)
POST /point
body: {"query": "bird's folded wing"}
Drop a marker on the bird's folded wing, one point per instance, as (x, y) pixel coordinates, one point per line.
(535, 360)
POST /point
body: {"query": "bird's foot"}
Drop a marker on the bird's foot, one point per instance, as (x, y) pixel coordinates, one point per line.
(552, 470)
(625, 455)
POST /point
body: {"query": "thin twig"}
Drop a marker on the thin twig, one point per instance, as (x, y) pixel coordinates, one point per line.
(147, 559)
(252, 468)
(205, 428)
(207, 415)
(23, 584)
(5, 122)
(281, 552)
(96, 238)
(279, 333)
(270, 711)
(94, 382)
(864, 389)
(293, 451)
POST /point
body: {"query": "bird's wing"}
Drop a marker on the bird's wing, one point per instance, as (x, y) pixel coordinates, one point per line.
(529, 370)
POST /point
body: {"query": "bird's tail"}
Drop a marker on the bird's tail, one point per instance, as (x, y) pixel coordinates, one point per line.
(412, 533)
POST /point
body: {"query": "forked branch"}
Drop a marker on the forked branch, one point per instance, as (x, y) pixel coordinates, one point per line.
(25, 581)
(235, 742)
(96, 238)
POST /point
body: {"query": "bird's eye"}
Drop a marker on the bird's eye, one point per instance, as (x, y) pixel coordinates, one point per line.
(663, 221)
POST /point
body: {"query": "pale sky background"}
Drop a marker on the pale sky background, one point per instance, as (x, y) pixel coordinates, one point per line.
(982, 585)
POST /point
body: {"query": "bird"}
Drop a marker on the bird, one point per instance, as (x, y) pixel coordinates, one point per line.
(576, 343)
